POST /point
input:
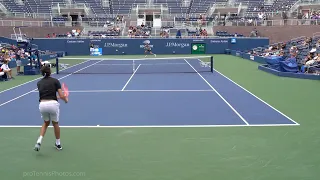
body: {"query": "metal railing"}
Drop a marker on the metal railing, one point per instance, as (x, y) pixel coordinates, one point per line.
(181, 24)
(3, 8)
(309, 2)
(30, 15)
(72, 6)
(149, 37)
(192, 15)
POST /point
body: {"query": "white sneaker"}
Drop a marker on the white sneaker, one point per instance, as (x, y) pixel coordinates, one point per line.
(37, 147)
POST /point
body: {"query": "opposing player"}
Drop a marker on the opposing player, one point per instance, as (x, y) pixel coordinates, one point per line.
(49, 106)
(147, 49)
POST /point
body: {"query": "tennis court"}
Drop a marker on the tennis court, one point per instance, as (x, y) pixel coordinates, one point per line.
(149, 92)
(112, 118)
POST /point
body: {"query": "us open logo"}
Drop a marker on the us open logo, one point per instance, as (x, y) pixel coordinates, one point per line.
(148, 42)
(195, 47)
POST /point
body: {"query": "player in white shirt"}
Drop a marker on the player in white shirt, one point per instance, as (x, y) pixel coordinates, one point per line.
(5, 68)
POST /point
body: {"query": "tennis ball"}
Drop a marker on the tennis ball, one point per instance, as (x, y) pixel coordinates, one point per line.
(116, 49)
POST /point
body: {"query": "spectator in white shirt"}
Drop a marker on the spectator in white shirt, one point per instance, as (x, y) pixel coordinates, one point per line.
(5, 68)
(260, 16)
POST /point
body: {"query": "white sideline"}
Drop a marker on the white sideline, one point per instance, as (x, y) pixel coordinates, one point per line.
(256, 97)
(232, 108)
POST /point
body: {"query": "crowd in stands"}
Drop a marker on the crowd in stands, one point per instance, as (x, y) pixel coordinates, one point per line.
(304, 52)
(165, 32)
(139, 31)
(72, 34)
(108, 31)
(10, 53)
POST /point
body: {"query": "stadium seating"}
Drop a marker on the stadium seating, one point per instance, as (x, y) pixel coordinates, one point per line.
(276, 6)
(12, 6)
(202, 6)
(124, 7)
(96, 6)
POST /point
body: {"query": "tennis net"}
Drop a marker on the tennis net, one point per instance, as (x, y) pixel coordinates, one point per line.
(140, 66)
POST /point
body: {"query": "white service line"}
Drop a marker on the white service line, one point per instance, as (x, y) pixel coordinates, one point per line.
(146, 64)
(39, 78)
(234, 110)
(129, 90)
(36, 89)
(130, 78)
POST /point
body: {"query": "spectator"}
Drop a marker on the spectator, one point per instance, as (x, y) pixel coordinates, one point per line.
(318, 44)
(203, 33)
(3, 74)
(5, 68)
(178, 35)
(310, 61)
(254, 33)
(18, 61)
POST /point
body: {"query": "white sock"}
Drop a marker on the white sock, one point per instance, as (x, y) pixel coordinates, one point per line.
(39, 139)
(57, 141)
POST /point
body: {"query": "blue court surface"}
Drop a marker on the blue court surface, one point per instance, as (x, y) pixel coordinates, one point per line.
(181, 99)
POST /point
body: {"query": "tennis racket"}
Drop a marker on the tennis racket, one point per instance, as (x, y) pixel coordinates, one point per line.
(65, 89)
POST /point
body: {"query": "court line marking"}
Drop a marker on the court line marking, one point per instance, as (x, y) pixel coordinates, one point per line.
(147, 64)
(160, 90)
(40, 78)
(257, 98)
(161, 126)
(130, 78)
(233, 109)
(18, 97)
(141, 59)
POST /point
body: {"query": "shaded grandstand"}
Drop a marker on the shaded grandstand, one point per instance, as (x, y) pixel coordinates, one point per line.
(115, 18)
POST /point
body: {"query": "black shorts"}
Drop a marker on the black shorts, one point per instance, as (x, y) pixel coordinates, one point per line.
(148, 50)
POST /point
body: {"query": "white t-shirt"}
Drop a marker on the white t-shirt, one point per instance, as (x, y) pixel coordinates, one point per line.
(5, 67)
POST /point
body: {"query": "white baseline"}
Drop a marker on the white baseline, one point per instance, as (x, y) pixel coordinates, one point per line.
(162, 126)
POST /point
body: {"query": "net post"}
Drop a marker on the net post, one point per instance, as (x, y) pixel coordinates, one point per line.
(211, 64)
(57, 65)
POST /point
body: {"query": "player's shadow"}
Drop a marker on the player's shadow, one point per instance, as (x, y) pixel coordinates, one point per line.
(46, 153)
(42, 155)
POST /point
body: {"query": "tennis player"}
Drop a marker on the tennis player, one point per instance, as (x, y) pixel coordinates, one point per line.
(147, 49)
(49, 106)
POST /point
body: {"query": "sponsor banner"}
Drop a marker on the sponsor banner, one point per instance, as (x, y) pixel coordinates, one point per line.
(96, 51)
(135, 46)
